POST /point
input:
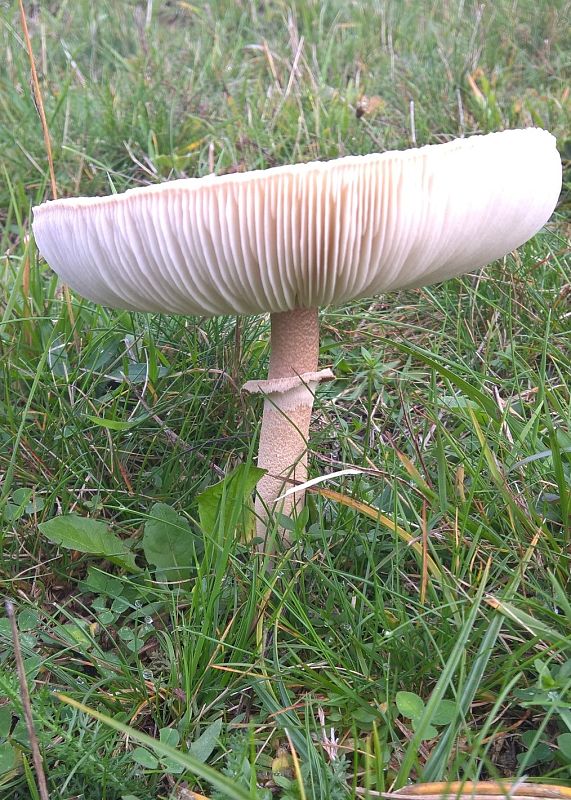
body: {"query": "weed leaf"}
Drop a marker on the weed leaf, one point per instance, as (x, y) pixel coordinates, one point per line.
(218, 505)
(88, 536)
(564, 745)
(142, 756)
(169, 543)
(203, 747)
(409, 704)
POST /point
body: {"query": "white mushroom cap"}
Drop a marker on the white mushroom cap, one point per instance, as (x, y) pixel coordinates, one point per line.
(306, 235)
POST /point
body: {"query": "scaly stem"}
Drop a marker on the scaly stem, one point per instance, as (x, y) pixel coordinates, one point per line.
(287, 415)
(288, 403)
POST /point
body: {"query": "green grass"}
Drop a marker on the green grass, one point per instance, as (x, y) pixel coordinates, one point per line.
(454, 400)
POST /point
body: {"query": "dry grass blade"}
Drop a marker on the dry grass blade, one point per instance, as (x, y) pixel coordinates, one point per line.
(48, 145)
(26, 705)
(296, 766)
(424, 578)
(186, 794)
(484, 790)
(382, 519)
(38, 99)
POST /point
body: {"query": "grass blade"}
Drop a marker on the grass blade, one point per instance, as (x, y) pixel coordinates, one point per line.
(193, 765)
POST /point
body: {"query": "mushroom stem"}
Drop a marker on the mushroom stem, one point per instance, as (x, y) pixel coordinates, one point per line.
(294, 343)
(288, 402)
(287, 415)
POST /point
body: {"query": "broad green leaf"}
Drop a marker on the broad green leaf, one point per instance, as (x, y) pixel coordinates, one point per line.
(169, 543)
(21, 496)
(5, 720)
(20, 734)
(429, 731)
(35, 505)
(564, 745)
(89, 536)
(106, 617)
(99, 603)
(12, 512)
(126, 634)
(119, 605)
(365, 716)
(203, 747)
(19, 505)
(223, 503)
(445, 713)
(24, 501)
(33, 666)
(410, 705)
(538, 752)
(171, 766)
(28, 641)
(98, 358)
(28, 619)
(102, 583)
(142, 756)
(8, 758)
(169, 736)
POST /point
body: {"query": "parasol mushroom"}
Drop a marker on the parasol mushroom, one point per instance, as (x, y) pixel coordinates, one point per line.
(291, 239)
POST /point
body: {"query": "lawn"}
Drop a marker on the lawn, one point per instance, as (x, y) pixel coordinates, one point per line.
(419, 629)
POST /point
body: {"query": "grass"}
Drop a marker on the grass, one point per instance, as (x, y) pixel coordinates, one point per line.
(362, 661)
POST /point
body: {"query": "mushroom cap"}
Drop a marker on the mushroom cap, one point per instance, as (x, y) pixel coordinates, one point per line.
(305, 235)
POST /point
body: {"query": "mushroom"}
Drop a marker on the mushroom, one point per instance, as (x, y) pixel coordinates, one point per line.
(291, 239)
